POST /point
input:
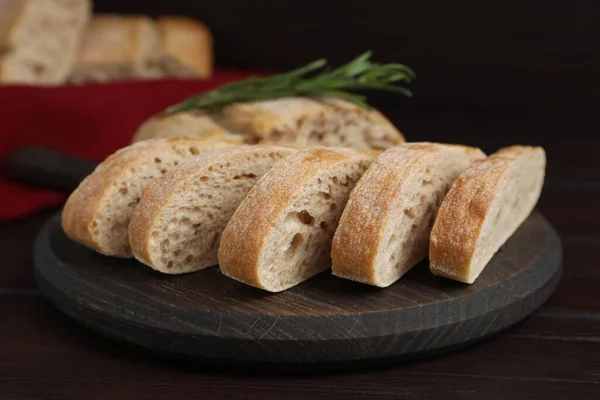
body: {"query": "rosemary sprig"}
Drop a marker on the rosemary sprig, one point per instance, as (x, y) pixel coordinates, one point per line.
(311, 80)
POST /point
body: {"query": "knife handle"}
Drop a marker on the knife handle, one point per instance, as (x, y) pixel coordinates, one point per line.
(47, 169)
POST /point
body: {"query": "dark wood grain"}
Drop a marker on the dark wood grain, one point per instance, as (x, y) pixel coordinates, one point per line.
(46, 354)
(325, 322)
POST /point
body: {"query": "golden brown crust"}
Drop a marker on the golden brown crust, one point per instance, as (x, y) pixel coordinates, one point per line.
(161, 192)
(361, 228)
(461, 216)
(252, 223)
(186, 124)
(188, 41)
(84, 205)
(113, 39)
(262, 118)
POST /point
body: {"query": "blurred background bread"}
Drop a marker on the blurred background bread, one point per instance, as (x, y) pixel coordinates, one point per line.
(119, 47)
(185, 48)
(39, 39)
(59, 41)
(115, 48)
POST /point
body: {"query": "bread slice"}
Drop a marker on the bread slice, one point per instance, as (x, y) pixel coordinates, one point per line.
(97, 213)
(301, 123)
(39, 39)
(185, 124)
(116, 47)
(176, 226)
(185, 47)
(384, 230)
(484, 207)
(281, 233)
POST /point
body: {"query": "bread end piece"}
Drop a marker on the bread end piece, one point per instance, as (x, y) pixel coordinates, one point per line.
(484, 207)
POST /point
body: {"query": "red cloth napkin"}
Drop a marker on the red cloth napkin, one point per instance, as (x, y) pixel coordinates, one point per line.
(89, 121)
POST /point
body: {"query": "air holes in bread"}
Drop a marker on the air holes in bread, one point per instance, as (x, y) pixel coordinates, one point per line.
(305, 217)
(237, 177)
(295, 244)
(410, 213)
(194, 150)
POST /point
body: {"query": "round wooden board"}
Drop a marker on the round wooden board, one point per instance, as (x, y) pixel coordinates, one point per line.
(324, 323)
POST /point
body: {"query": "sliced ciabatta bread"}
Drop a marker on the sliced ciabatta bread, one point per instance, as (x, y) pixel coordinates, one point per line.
(177, 225)
(484, 207)
(280, 235)
(97, 213)
(384, 230)
(295, 122)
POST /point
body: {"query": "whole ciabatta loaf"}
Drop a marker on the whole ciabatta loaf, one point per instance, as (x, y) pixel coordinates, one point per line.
(301, 122)
(97, 213)
(281, 233)
(177, 225)
(185, 124)
(384, 230)
(484, 207)
(39, 39)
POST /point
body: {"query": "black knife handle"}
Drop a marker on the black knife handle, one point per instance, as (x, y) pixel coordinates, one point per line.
(47, 169)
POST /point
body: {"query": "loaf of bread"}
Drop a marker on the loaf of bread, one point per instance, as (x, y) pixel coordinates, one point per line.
(119, 47)
(297, 122)
(281, 233)
(185, 48)
(39, 39)
(97, 213)
(484, 207)
(385, 227)
(178, 223)
(116, 47)
(185, 124)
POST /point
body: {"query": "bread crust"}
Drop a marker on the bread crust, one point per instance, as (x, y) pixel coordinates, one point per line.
(261, 118)
(262, 121)
(361, 228)
(185, 124)
(455, 234)
(187, 41)
(161, 192)
(84, 205)
(246, 234)
(114, 39)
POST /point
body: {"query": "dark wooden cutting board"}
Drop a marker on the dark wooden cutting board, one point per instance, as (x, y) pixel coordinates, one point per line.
(324, 323)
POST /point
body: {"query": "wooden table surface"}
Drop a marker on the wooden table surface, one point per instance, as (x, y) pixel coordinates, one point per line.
(555, 353)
